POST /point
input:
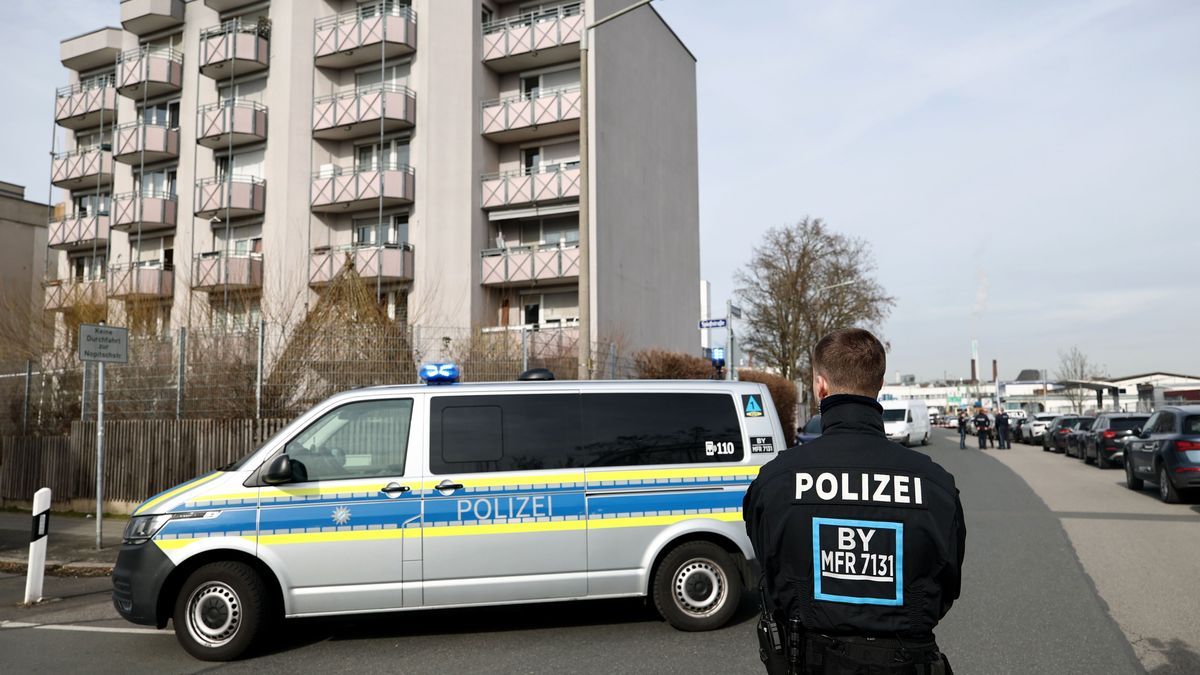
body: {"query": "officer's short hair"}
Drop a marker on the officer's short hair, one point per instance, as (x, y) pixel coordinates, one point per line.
(852, 360)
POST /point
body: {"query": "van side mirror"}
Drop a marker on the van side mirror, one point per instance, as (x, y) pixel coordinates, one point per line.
(278, 470)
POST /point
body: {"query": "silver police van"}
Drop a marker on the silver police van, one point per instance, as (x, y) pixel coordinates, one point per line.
(409, 497)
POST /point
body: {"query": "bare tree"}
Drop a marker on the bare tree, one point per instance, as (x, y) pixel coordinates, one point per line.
(802, 282)
(1075, 366)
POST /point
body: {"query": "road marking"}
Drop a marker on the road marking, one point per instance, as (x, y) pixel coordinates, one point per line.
(85, 629)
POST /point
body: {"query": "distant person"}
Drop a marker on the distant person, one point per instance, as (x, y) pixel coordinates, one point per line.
(962, 430)
(1002, 430)
(982, 426)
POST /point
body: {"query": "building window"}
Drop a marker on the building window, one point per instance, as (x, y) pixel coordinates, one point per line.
(392, 154)
(162, 114)
(393, 230)
(90, 204)
(160, 183)
(88, 268)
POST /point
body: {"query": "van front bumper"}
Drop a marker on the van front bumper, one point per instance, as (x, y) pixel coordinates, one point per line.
(138, 578)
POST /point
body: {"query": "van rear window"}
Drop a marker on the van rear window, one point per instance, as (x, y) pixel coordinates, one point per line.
(660, 428)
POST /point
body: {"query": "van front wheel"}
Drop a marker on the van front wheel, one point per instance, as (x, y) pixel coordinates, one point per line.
(697, 587)
(220, 611)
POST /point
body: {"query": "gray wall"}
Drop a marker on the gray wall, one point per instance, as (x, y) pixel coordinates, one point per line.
(22, 248)
(645, 224)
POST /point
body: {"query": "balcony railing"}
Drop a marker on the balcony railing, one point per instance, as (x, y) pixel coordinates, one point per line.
(389, 263)
(230, 196)
(66, 294)
(80, 168)
(235, 48)
(81, 106)
(529, 265)
(140, 281)
(78, 231)
(340, 189)
(369, 33)
(537, 37)
(145, 211)
(145, 143)
(148, 72)
(547, 113)
(142, 17)
(226, 270)
(546, 184)
(245, 120)
(355, 113)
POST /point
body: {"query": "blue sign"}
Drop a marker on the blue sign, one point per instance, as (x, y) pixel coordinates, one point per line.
(713, 323)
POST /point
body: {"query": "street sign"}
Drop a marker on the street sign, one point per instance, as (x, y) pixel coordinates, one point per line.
(713, 323)
(735, 312)
(105, 344)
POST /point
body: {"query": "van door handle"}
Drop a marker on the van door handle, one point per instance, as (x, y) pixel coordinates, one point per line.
(394, 488)
(446, 486)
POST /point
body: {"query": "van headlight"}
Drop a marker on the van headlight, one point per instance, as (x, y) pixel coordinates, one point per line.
(141, 528)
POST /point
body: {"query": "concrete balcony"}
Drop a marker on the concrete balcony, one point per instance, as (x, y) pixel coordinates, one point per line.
(77, 232)
(225, 270)
(534, 39)
(142, 17)
(78, 169)
(82, 106)
(227, 5)
(339, 117)
(63, 295)
(526, 118)
(390, 263)
(245, 121)
(146, 211)
(530, 265)
(230, 197)
(90, 51)
(364, 35)
(234, 48)
(344, 190)
(140, 281)
(548, 184)
(145, 143)
(145, 73)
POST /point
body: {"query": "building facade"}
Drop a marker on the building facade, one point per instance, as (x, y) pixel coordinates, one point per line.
(22, 265)
(222, 160)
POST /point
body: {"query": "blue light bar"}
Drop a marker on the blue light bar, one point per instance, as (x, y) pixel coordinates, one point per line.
(439, 373)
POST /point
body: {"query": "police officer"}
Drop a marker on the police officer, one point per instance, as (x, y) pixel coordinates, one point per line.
(982, 424)
(860, 540)
(962, 431)
(1002, 429)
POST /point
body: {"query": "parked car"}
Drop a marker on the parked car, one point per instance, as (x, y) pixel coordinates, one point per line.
(811, 431)
(1077, 436)
(1105, 444)
(1055, 437)
(1167, 452)
(951, 421)
(1033, 430)
(1014, 429)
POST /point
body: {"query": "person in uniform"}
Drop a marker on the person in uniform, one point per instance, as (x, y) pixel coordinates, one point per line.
(982, 424)
(1002, 429)
(860, 539)
(962, 431)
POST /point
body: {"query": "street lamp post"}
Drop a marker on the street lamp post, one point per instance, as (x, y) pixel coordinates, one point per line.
(585, 245)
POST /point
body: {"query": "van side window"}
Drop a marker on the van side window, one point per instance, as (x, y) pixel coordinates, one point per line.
(526, 432)
(654, 428)
(367, 438)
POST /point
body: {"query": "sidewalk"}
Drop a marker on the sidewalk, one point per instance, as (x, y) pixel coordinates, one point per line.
(71, 548)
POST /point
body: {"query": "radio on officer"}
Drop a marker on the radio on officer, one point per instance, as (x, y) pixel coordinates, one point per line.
(861, 540)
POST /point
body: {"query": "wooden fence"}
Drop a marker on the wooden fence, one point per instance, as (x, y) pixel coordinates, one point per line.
(141, 458)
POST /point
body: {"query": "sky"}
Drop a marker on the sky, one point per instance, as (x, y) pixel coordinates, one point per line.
(1025, 172)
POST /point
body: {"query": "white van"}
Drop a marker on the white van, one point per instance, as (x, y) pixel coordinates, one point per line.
(401, 498)
(906, 421)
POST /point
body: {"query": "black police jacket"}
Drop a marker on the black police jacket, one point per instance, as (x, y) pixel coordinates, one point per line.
(982, 422)
(855, 534)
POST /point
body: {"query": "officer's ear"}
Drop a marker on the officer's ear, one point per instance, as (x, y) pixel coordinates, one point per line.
(820, 386)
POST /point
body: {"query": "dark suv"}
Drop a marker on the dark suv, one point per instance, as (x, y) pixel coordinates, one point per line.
(1055, 438)
(1167, 451)
(1106, 442)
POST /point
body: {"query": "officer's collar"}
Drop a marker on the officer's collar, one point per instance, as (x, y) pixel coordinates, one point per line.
(851, 413)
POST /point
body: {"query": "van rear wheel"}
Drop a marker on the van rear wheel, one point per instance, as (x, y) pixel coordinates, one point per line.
(697, 587)
(220, 610)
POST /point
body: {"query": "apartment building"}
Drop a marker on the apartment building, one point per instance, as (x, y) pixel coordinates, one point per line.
(222, 160)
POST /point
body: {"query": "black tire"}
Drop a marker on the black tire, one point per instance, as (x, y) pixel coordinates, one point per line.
(1166, 489)
(925, 441)
(1102, 461)
(697, 587)
(220, 611)
(1131, 481)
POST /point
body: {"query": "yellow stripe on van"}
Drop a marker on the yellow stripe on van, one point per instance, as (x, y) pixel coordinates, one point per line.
(339, 536)
(655, 474)
(659, 521)
(177, 491)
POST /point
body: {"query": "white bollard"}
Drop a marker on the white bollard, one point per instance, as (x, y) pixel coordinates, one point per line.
(37, 546)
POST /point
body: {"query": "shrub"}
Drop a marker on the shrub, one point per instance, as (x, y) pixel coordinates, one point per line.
(783, 393)
(660, 364)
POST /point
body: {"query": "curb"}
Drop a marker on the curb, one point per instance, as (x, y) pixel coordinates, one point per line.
(58, 568)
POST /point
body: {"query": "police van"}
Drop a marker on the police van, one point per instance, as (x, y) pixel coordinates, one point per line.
(408, 497)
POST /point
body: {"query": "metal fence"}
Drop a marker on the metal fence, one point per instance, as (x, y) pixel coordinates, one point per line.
(270, 371)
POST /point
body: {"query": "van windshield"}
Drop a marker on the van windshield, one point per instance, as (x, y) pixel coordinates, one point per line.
(894, 415)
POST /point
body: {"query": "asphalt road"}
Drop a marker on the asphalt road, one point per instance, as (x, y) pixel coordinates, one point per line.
(1029, 605)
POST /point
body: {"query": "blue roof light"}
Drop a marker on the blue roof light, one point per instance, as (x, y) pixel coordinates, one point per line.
(440, 373)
